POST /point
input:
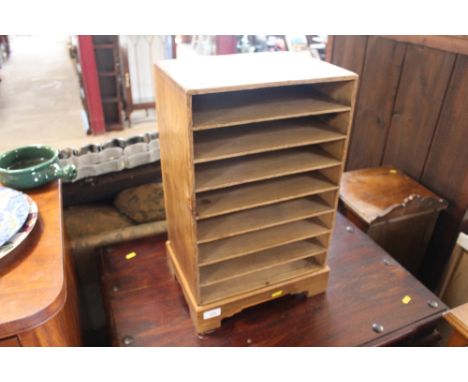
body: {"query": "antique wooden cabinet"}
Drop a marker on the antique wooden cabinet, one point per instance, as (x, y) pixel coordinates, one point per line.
(108, 64)
(252, 150)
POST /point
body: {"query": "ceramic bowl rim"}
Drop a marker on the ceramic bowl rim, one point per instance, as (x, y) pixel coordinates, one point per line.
(39, 166)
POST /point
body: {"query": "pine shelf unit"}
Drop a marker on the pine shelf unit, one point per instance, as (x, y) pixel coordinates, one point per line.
(252, 151)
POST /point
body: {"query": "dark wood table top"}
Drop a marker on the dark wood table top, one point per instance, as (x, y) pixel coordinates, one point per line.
(366, 287)
(32, 281)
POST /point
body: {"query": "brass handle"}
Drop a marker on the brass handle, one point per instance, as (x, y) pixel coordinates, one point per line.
(127, 80)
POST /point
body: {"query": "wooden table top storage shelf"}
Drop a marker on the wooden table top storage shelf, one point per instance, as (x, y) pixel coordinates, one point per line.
(252, 151)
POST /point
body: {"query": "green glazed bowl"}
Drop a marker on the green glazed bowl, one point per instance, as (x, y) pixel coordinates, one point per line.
(32, 166)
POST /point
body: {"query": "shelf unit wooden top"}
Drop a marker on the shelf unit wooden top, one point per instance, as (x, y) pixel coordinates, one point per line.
(211, 74)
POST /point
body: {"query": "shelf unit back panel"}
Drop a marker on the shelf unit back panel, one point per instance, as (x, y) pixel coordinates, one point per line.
(256, 169)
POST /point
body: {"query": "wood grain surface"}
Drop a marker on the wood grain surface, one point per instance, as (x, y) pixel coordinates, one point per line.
(260, 217)
(424, 80)
(232, 172)
(375, 193)
(458, 319)
(219, 202)
(33, 287)
(253, 281)
(378, 87)
(261, 260)
(150, 310)
(250, 71)
(256, 241)
(206, 146)
(261, 137)
(411, 113)
(453, 44)
(446, 168)
(349, 52)
(213, 111)
(176, 142)
(64, 328)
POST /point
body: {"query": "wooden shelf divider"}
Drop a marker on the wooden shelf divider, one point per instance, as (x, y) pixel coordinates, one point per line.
(224, 249)
(259, 218)
(259, 261)
(260, 279)
(261, 137)
(232, 172)
(214, 111)
(239, 198)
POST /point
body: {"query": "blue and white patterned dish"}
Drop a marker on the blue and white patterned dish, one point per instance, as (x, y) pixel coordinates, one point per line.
(9, 246)
(14, 209)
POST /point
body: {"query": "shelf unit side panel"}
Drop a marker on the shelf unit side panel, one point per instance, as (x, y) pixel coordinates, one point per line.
(343, 123)
(176, 145)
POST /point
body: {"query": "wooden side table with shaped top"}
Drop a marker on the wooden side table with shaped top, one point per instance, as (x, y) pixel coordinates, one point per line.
(393, 209)
(38, 296)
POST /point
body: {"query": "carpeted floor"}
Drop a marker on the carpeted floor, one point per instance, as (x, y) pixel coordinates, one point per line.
(40, 98)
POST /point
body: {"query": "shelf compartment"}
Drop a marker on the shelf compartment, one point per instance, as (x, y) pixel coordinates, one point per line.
(259, 261)
(261, 137)
(248, 106)
(245, 244)
(261, 217)
(261, 279)
(232, 172)
(239, 198)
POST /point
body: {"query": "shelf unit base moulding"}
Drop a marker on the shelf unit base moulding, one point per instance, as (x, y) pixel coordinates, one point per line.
(208, 317)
